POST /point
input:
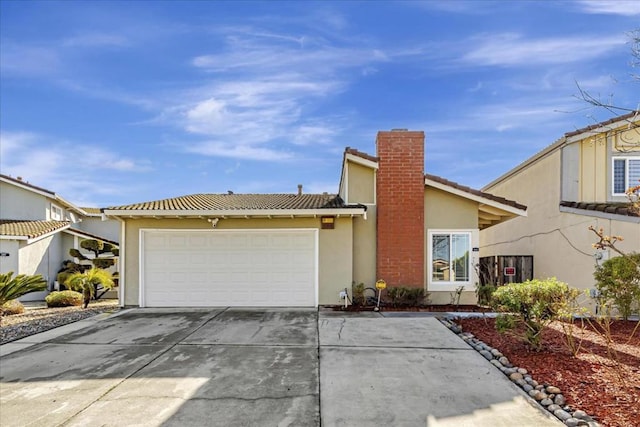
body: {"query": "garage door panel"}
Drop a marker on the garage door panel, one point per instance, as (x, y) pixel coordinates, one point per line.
(222, 268)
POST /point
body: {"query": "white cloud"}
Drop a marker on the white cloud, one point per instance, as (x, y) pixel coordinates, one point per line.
(95, 40)
(70, 169)
(510, 49)
(262, 93)
(610, 7)
(32, 61)
(246, 152)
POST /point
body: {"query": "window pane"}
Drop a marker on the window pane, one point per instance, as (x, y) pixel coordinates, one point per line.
(619, 184)
(634, 173)
(440, 250)
(460, 254)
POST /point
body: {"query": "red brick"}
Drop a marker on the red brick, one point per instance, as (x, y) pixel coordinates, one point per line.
(400, 197)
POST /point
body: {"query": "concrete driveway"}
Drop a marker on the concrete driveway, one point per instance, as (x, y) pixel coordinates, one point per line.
(266, 367)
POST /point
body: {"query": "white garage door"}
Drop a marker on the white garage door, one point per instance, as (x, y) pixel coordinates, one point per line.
(252, 268)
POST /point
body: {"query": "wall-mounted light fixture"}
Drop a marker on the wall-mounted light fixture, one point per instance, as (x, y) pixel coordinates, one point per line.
(327, 222)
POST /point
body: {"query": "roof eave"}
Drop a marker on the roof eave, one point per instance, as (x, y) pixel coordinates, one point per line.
(32, 239)
(210, 213)
(483, 201)
(361, 161)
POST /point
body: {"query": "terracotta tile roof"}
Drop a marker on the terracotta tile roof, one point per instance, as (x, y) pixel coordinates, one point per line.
(240, 202)
(92, 211)
(29, 229)
(26, 184)
(360, 154)
(612, 208)
(475, 192)
(604, 123)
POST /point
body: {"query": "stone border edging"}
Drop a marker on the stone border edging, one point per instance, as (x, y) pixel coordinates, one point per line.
(547, 396)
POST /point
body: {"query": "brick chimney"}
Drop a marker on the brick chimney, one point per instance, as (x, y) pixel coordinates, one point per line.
(400, 207)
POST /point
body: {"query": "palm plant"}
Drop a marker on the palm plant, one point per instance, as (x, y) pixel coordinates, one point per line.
(88, 281)
(15, 287)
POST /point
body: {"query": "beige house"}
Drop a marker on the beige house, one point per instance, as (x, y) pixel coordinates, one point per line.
(577, 182)
(38, 228)
(388, 221)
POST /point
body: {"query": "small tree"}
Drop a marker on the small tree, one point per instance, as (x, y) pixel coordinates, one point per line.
(88, 282)
(618, 280)
(15, 287)
(532, 305)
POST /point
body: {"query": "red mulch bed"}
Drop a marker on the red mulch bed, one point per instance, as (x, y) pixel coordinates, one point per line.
(603, 381)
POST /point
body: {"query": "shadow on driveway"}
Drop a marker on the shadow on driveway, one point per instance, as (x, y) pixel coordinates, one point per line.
(263, 367)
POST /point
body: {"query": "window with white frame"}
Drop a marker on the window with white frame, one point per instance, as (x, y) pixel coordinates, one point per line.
(56, 213)
(450, 257)
(626, 173)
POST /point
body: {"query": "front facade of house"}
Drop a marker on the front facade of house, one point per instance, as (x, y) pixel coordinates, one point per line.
(38, 228)
(577, 182)
(389, 221)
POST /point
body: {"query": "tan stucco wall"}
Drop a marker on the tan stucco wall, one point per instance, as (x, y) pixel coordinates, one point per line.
(364, 248)
(361, 189)
(335, 250)
(560, 242)
(360, 184)
(444, 210)
(443, 297)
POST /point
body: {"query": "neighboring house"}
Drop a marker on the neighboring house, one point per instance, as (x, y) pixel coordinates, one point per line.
(38, 228)
(577, 182)
(389, 221)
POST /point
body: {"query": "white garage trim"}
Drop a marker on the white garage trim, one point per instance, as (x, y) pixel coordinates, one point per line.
(303, 231)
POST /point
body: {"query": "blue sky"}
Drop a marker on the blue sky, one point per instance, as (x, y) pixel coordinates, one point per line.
(110, 103)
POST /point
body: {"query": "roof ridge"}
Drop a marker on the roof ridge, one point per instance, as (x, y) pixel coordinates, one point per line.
(612, 120)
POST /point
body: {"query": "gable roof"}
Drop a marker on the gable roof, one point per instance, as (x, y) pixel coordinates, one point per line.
(91, 211)
(478, 193)
(568, 138)
(240, 205)
(27, 186)
(19, 182)
(15, 229)
(360, 154)
(492, 209)
(629, 117)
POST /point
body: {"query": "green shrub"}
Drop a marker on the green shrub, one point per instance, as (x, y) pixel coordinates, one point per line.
(531, 305)
(64, 299)
(357, 293)
(618, 280)
(103, 262)
(484, 293)
(402, 296)
(89, 281)
(77, 254)
(11, 307)
(15, 287)
(95, 246)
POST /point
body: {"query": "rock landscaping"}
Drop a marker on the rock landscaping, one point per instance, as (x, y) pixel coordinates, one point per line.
(588, 379)
(36, 320)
